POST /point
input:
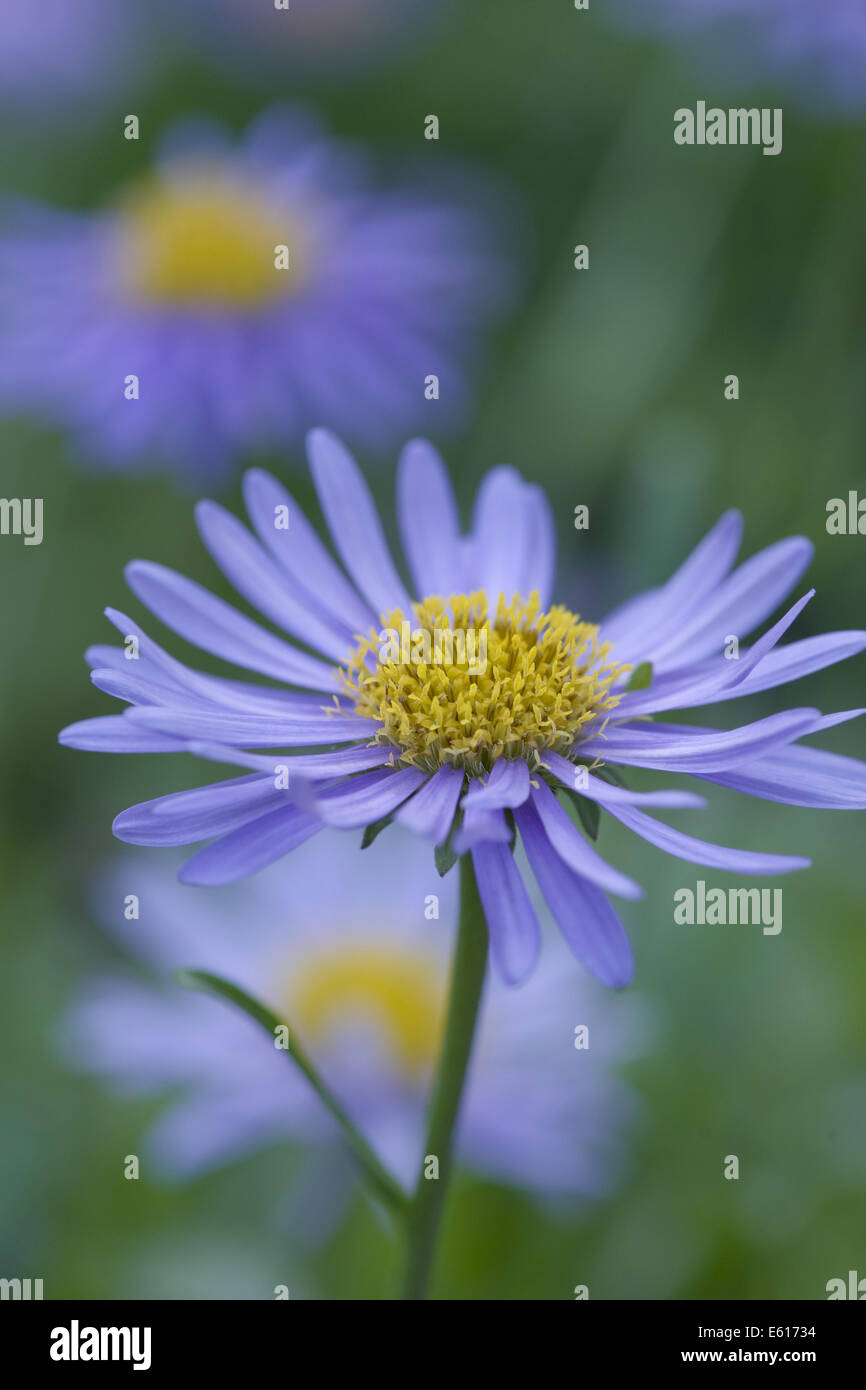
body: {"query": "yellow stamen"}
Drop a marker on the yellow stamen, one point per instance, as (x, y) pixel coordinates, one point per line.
(545, 676)
(203, 237)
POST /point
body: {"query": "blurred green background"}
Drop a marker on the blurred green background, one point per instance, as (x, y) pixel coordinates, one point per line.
(607, 387)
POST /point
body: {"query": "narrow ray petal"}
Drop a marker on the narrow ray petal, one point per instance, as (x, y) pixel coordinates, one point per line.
(515, 936)
(431, 810)
(354, 523)
(701, 851)
(250, 848)
(574, 850)
(582, 912)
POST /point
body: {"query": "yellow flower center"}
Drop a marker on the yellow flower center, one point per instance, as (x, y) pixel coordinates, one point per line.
(461, 690)
(397, 993)
(203, 237)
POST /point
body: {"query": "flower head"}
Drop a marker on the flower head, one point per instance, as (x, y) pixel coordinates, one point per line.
(819, 48)
(55, 52)
(540, 678)
(469, 755)
(233, 295)
(339, 944)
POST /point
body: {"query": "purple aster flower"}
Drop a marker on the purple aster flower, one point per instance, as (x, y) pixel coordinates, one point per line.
(468, 748)
(57, 51)
(341, 945)
(820, 47)
(236, 295)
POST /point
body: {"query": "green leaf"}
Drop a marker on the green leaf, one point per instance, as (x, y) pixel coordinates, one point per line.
(588, 812)
(444, 854)
(641, 677)
(374, 829)
(382, 1182)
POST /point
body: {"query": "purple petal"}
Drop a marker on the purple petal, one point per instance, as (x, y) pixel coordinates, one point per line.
(250, 848)
(431, 810)
(679, 748)
(182, 818)
(480, 827)
(429, 526)
(582, 912)
(801, 777)
(253, 731)
(645, 620)
(507, 785)
(364, 799)
(216, 627)
(501, 535)
(354, 524)
(778, 667)
(701, 852)
(112, 733)
(232, 694)
(311, 766)
(708, 685)
(540, 559)
(738, 605)
(515, 937)
(574, 850)
(247, 566)
(301, 553)
(604, 793)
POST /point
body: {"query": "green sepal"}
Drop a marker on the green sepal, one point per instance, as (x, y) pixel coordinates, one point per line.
(641, 677)
(374, 829)
(589, 812)
(445, 855)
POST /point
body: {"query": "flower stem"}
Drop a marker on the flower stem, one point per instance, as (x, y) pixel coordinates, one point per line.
(379, 1178)
(467, 982)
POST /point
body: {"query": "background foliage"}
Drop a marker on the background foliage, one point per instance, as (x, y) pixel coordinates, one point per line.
(606, 387)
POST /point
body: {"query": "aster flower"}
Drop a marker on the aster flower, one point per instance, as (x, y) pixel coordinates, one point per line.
(361, 973)
(237, 294)
(364, 735)
(819, 48)
(57, 52)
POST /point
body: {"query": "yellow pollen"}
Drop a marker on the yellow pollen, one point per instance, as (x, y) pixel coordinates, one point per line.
(204, 238)
(457, 689)
(397, 992)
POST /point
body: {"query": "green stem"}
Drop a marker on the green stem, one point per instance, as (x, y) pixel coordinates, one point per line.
(379, 1177)
(467, 982)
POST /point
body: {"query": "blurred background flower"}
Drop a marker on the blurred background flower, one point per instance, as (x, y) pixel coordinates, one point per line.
(238, 294)
(606, 387)
(346, 947)
(58, 52)
(818, 47)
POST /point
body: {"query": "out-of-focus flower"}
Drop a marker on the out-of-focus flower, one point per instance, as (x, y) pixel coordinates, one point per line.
(344, 945)
(818, 46)
(55, 51)
(237, 295)
(480, 697)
